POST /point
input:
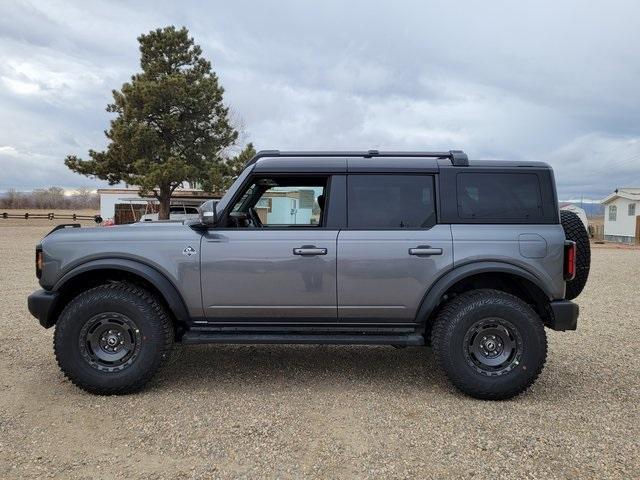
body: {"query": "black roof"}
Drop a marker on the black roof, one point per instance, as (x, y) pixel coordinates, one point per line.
(372, 161)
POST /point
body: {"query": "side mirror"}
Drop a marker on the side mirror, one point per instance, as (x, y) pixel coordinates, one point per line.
(208, 214)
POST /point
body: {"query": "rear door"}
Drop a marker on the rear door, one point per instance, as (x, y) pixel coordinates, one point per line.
(393, 249)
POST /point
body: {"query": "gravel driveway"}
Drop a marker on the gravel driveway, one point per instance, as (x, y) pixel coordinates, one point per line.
(324, 411)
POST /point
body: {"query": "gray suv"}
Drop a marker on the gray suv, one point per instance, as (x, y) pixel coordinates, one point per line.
(377, 248)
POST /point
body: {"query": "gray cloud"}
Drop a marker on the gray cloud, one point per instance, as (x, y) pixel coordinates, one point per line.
(540, 81)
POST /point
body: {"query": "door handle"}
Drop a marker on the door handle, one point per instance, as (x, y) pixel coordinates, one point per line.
(309, 250)
(425, 250)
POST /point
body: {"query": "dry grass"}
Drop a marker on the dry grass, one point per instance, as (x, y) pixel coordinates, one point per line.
(324, 411)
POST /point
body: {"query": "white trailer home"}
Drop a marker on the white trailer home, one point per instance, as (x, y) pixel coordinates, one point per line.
(621, 216)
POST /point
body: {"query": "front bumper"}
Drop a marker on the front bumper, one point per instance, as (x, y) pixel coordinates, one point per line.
(565, 315)
(42, 304)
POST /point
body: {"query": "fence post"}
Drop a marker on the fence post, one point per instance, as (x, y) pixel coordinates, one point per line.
(26, 216)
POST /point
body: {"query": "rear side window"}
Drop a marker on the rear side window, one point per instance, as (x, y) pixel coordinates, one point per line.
(382, 202)
(499, 196)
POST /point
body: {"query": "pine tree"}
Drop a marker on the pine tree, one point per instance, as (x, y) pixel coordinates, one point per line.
(171, 123)
(223, 174)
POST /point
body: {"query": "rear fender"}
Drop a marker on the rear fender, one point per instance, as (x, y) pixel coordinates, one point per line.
(434, 295)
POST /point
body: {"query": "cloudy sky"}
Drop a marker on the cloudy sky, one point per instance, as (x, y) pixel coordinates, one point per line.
(552, 81)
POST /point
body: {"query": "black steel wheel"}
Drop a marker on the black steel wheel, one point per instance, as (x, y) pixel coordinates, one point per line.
(490, 344)
(493, 346)
(112, 339)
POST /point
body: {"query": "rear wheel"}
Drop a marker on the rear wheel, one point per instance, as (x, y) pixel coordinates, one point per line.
(490, 344)
(112, 339)
(574, 230)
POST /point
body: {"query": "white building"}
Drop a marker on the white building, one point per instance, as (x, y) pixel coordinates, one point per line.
(621, 215)
(286, 206)
(124, 205)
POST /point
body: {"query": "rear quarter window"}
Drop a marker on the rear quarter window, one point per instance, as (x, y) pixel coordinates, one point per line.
(499, 196)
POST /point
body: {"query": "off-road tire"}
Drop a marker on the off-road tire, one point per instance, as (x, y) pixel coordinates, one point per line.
(449, 340)
(121, 300)
(574, 230)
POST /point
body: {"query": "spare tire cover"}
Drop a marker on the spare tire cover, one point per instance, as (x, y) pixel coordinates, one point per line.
(574, 230)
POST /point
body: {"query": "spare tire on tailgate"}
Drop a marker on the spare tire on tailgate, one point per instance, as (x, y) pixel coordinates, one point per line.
(574, 230)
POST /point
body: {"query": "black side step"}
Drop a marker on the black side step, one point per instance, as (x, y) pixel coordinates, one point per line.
(331, 339)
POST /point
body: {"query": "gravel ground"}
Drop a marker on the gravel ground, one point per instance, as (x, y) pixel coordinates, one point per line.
(324, 411)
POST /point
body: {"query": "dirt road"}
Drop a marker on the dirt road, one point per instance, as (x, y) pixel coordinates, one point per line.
(324, 411)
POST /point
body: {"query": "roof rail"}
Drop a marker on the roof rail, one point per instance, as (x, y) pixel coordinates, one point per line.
(457, 157)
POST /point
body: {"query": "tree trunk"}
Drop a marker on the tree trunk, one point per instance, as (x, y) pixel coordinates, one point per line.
(165, 201)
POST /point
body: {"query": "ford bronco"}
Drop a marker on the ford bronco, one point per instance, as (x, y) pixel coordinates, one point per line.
(473, 258)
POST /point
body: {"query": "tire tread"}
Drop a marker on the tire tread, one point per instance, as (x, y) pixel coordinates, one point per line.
(574, 230)
(120, 291)
(443, 329)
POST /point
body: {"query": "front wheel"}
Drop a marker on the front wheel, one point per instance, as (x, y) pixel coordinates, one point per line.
(490, 344)
(112, 339)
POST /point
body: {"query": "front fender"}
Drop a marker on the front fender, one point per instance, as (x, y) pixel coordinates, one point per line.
(166, 288)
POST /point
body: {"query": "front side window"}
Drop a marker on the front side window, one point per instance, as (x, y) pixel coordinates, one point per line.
(632, 209)
(281, 202)
(613, 213)
(390, 201)
(499, 196)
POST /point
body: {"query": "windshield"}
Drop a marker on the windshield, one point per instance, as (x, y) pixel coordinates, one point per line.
(226, 198)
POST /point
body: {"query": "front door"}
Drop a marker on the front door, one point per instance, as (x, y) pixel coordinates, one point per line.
(393, 249)
(274, 260)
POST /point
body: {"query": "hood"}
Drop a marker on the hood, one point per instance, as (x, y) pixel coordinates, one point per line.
(141, 231)
(157, 244)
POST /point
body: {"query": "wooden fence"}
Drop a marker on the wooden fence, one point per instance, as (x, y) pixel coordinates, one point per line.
(49, 216)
